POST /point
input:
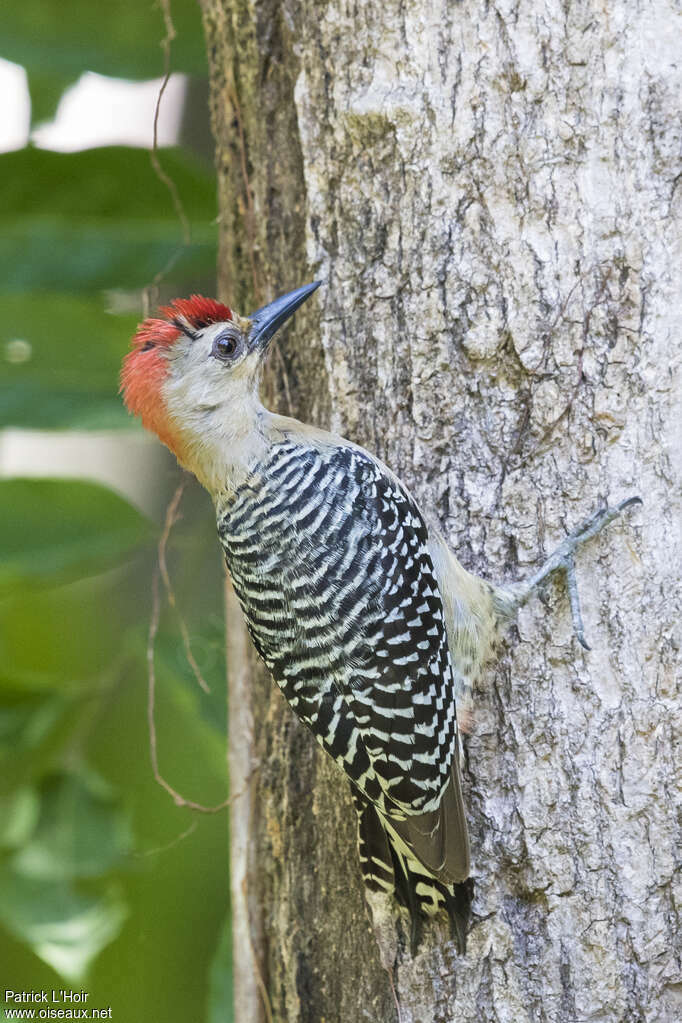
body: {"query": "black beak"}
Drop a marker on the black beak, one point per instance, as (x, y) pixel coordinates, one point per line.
(265, 322)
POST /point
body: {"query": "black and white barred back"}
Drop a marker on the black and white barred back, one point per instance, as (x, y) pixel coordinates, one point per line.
(329, 558)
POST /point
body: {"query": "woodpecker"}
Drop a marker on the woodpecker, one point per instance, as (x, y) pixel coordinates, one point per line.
(364, 617)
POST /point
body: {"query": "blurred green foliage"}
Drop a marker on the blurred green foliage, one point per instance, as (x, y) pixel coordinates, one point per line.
(73, 354)
(98, 886)
(85, 221)
(56, 42)
(121, 39)
(104, 882)
(87, 528)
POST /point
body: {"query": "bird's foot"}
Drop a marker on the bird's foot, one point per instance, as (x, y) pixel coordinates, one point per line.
(562, 560)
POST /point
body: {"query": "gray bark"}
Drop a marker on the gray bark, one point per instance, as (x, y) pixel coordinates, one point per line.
(488, 193)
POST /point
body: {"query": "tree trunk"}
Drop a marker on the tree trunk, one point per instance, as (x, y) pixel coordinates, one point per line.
(486, 192)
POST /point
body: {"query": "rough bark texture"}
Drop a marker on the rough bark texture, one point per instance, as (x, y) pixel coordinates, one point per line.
(488, 193)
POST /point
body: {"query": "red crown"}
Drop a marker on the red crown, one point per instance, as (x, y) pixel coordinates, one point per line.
(197, 310)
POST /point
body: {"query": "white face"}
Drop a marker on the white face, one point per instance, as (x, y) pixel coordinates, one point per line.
(212, 381)
(199, 391)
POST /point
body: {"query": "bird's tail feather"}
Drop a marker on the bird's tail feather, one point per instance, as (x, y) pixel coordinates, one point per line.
(389, 866)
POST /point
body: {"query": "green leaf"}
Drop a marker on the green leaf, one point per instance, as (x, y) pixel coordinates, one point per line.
(120, 39)
(60, 357)
(43, 252)
(46, 90)
(36, 730)
(110, 184)
(64, 928)
(220, 995)
(54, 530)
(18, 816)
(62, 638)
(81, 830)
(26, 723)
(102, 219)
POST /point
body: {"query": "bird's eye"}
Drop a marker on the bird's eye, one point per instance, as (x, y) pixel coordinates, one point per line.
(227, 347)
(147, 346)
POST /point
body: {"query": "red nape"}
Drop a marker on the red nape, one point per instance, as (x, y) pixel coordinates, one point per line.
(198, 311)
(146, 366)
(142, 378)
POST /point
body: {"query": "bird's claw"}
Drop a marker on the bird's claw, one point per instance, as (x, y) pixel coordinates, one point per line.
(563, 560)
(588, 529)
(574, 600)
(596, 522)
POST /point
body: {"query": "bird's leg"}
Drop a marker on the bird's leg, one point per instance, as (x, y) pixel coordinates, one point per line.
(562, 560)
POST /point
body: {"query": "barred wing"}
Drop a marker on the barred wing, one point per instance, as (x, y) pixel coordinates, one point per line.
(329, 558)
